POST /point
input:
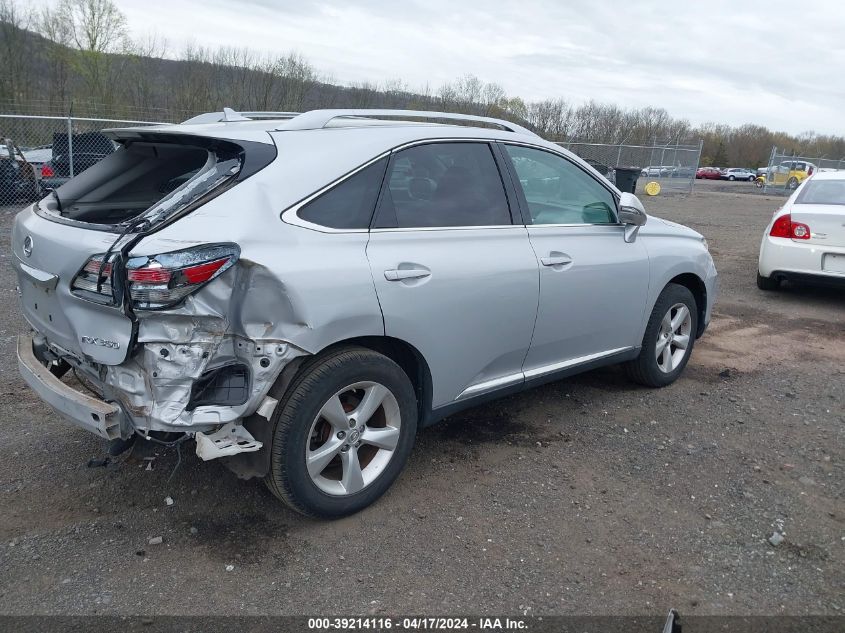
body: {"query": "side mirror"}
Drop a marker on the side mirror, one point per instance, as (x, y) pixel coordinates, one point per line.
(631, 214)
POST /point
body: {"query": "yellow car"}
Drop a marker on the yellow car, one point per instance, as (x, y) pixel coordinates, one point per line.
(788, 174)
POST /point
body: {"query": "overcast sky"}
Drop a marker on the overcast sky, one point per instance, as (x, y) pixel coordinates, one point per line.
(780, 64)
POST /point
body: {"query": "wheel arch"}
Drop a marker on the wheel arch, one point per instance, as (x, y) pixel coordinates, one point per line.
(697, 287)
(408, 357)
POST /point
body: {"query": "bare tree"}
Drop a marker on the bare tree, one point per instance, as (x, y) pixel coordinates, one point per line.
(97, 29)
(14, 21)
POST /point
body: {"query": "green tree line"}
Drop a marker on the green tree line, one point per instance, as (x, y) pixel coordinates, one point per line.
(80, 54)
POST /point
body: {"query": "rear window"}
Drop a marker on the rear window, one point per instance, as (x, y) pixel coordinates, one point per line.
(822, 192)
(160, 177)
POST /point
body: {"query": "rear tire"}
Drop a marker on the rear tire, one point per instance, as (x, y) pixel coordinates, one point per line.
(668, 340)
(792, 183)
(323, 462)
(767, 283)
(731, 178)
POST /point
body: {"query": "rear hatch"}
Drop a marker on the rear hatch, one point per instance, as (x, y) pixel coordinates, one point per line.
(821, 206)
(148, 183)
(47, 256)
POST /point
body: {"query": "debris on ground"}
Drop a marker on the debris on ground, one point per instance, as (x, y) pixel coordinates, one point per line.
(776, 539)
(168, 501)
(156, 540)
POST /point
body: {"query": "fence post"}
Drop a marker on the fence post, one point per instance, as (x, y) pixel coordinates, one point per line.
(619, 156)
(70, 144)
(770, 177)
(697, 163)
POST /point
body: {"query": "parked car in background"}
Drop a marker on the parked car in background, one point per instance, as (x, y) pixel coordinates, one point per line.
(37, 156)
(788, 174)
(657, 170)
(708, 173)
(57, 171)
(86, 148)
(738, 173)
(682, 171)
(289, 307)
(805, 241)
(18, 179)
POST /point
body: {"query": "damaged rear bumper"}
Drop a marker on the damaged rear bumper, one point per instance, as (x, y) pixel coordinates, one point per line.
(163, 386)
(92, 414)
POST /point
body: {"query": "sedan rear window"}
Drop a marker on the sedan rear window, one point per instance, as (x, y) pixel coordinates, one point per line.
(822, 192)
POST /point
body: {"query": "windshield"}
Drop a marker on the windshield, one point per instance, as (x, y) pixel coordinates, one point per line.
(822, 192)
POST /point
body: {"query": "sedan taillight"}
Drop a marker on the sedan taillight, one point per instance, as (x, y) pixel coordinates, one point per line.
(785, 227)
(161, 281)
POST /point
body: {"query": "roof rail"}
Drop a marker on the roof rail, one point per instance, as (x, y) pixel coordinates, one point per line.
(230, 115)
(316, 119)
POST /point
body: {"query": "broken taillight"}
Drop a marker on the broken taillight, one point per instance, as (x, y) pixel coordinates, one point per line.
(94, 281)
(155, 282)
(161, 281)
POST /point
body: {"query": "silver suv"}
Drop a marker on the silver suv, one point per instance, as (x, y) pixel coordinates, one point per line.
(299, 294)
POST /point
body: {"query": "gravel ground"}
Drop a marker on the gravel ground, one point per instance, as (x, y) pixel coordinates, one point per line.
(587, 496)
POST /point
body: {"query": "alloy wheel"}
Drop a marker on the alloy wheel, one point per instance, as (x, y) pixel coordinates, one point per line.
(353, 438)
(673, 338)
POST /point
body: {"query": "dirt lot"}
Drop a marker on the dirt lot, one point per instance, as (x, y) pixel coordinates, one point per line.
(585, 496)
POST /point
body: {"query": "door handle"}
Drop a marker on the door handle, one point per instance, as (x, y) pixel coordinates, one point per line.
(556, 260)
(398, 274)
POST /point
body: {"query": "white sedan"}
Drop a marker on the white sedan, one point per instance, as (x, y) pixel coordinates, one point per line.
(805, 241)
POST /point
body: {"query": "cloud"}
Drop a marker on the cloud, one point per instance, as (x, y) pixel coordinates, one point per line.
(777, 64)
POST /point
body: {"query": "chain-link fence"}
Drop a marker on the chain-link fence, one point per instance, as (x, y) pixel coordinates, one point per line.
(672, 165)
(786, 170)
(40, 153)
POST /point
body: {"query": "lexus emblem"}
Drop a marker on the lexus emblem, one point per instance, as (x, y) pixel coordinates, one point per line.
(27, 245)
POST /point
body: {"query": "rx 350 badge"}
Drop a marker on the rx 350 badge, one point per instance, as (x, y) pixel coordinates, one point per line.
(101, 342)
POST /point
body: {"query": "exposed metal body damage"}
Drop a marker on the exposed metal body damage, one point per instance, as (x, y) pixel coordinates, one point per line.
(216, 328)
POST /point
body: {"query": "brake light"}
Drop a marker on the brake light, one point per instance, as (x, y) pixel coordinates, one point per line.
(93, 282)
(47, 171)
(785, 227)
(161, 281)
(95, 265)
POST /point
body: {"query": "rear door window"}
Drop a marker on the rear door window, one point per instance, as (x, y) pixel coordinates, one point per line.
(443, 185)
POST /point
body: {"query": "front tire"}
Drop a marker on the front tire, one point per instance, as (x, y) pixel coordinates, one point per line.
(731, 178)
(792, 183)
(342, 434)
(668, 340)
(767, 283)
